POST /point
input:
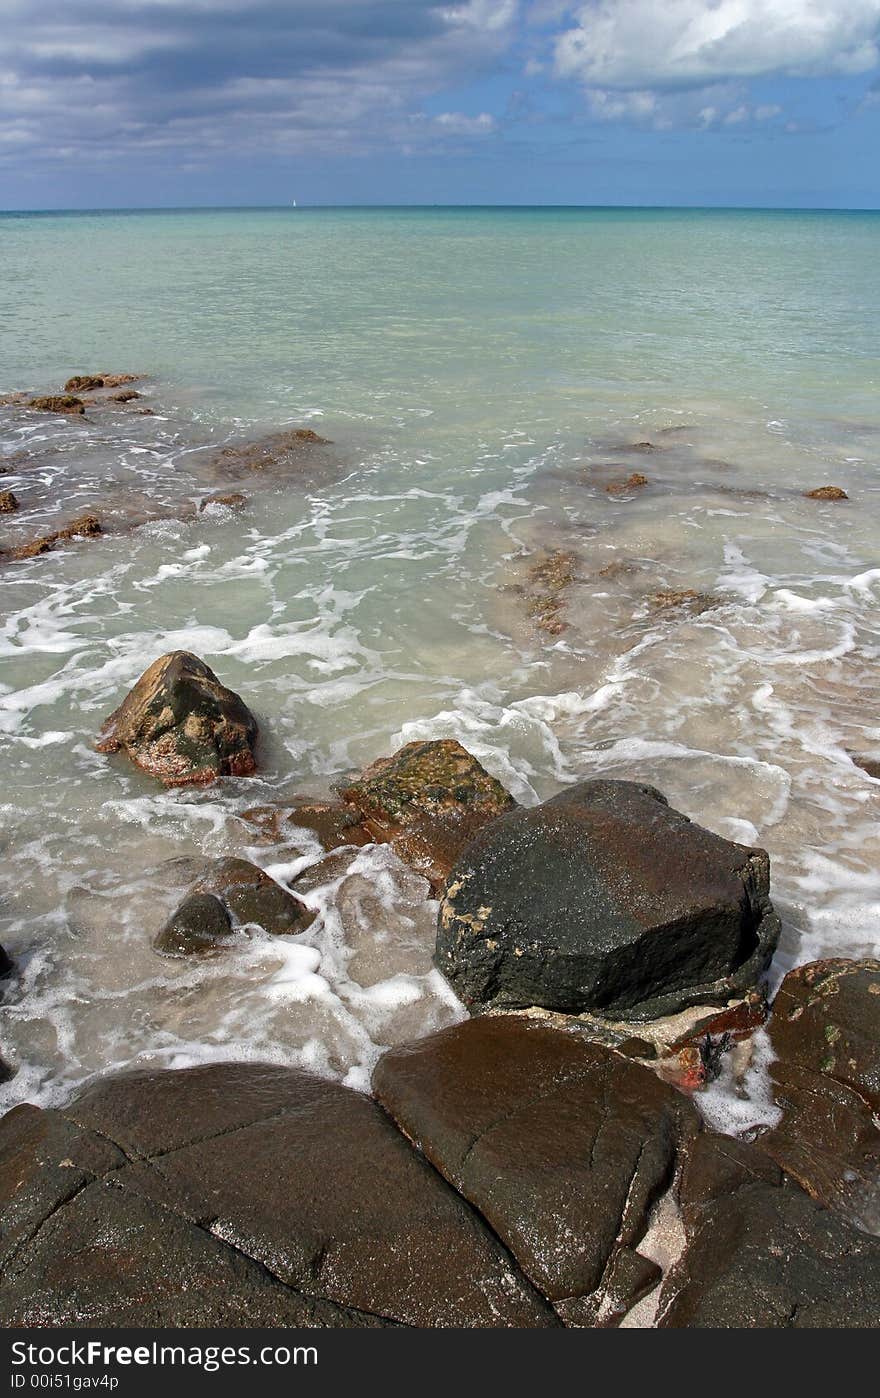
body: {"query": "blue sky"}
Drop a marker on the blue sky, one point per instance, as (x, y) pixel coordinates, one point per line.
(130, 103)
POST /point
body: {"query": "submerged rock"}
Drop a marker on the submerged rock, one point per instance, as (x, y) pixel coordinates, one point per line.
(182, 725)
(825, 1036)
(562, 1144)
(85, 527)
(428, 801)
(233, 892)
(331, 823)
(634, 482)
(200, 924)
(232, 501)
(127, 396)
(684, 599)
(312, 1209)
(761, 1254)
(605, 899)
(58, 403)
(827, 492)
(117, 380)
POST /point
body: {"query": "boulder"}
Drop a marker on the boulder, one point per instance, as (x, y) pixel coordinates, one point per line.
(246, 1172)
(562, 1144)
(232, 893)
(6, 964)
(58, 403)
(8, 502)
(428, 801)
(605, 899)
(127, 396)
(182, 725)
(761, 1254)
(825, 1036)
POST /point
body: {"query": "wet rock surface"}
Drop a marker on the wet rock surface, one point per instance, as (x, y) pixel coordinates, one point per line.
(428, 801)
(180, 724)
(761, 1254)
(8, 502)
(827, 492)
(84, 527)
(562, 1144)
(329, 1217)
(230, 894)
(58, 403)
(605, 899)
(825, 1035)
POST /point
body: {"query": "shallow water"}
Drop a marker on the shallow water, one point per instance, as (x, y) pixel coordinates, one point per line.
(479, 373)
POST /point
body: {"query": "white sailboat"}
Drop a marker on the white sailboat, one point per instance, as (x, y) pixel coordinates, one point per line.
(293, 204)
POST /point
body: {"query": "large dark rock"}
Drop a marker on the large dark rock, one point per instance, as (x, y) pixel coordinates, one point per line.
(6, 964)
(113, 1258)
(182, 725)
(428, 801)
(561, 1144)
(825, 1034)
(232, 893)
(605, 899)
(762, 1254)
(265, 1189)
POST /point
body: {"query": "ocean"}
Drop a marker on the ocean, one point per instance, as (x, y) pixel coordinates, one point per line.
(484, 376)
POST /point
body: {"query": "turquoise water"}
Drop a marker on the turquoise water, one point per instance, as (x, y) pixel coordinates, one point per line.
(483, 374)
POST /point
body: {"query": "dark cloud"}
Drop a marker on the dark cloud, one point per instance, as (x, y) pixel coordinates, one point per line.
(102, 81)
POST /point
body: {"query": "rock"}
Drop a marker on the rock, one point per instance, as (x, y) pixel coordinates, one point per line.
(127, 396)
(605, 899)
(83, 383)
(684, 599)
(634, 482)
(233, 501)
(825, 1035)
(547, 581)
(428, 801)
(636, 446)
(761, 1253)
(871, 765)
(117, 380)
(85, 527)
(231, 893)
(182, 725)
(44, 1161)
(281, 451)
(827, 492)
(110, 1258)
(331, 823)
(562, 1144)
(58, 403)
(201, 923)
(307, 1183)
(8, 502)
(6, 963)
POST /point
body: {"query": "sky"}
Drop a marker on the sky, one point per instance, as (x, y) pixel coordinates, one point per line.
(153, 103)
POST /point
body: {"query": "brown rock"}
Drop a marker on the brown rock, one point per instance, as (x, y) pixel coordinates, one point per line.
(827, 492)
(127, 396)
(760, 1254)
(233, 501)
(313, 1182)
(332, 823)
(58, 403)
(428, 801)
(250, 896)
(562, 1144)
(86, 527)
(8, 502)
(83, 383)
(825, 1033)
(182, 725)
(117, 380)
(634, 482)
(685, 599)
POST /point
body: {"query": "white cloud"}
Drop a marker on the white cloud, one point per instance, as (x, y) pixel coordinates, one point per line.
(457, 124)
(650, 44)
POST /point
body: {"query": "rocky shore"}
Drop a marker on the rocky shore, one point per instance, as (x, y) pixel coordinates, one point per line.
(541, 1164)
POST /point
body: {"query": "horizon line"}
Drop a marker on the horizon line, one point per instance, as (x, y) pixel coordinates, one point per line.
(309, 207)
